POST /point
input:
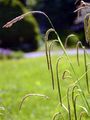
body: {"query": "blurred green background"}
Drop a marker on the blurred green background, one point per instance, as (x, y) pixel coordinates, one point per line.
(20, 76)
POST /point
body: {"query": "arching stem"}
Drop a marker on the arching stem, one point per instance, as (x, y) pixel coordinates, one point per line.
(58, 80)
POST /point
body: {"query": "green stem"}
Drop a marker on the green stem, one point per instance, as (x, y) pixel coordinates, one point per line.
(74, 101)
(69, 108)
(86, 69)
(58, 82)
(50, 62)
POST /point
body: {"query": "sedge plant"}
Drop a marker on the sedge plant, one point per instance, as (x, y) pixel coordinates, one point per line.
(49, 64)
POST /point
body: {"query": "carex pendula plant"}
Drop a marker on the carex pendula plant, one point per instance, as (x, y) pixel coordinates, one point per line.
(49, 64)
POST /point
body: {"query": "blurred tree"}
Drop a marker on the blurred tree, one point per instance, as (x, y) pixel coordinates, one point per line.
(23, 35)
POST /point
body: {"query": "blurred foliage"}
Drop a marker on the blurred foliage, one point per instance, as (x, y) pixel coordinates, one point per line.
(7, 54)
(24, 35)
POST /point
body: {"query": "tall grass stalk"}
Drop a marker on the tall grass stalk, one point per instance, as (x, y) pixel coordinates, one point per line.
(77, 48)
(58, 80)
(74, 101)
(10, 23)
(83, 96)
(84, 99)
(86, 69)
(46, 46)
(85, 63)
(50, 62)
(29, 95)
(68, 102)
(74, 106)
(66, 53)
(80, 91)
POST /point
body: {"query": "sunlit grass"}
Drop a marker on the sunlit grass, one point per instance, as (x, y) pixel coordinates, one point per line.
(24, 76)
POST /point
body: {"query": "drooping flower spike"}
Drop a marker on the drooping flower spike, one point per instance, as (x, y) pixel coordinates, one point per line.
(82, 6)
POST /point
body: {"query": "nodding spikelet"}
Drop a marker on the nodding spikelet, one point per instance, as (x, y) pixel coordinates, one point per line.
(78, 10)
(68, 37)
(73, 91)
(29, 95)
(64, 76)
(82, 5)
(87, 27)
(56, 115)
(10, 23)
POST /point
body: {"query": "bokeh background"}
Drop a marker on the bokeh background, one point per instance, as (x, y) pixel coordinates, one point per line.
(27, 35)
(23, 63)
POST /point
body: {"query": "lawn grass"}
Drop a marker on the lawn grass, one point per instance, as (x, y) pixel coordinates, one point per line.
(20, 77)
